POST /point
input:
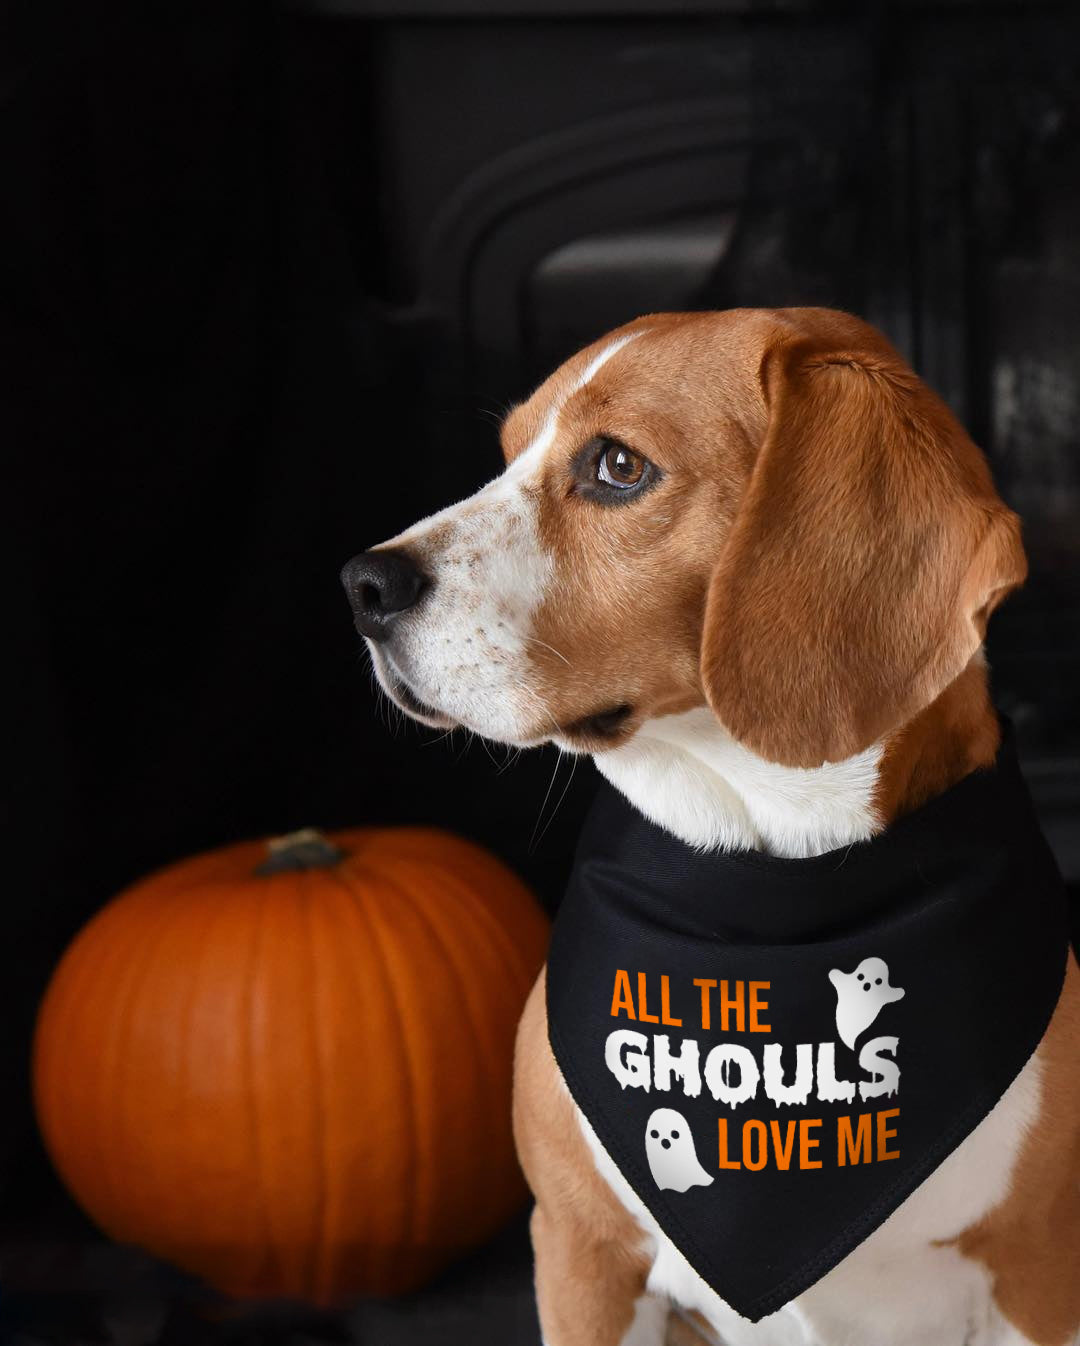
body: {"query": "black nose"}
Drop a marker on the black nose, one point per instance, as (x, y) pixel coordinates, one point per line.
(381, 584)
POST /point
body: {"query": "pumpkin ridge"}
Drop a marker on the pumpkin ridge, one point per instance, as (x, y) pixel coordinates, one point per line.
(52, 1086)
(354, 905)
(326, 954)
(288, 1095)
(411, 1204)
(115, 1082)
(320, 1243)
(487, 1049)
(258, 932)
(442, 941)
(520, 975)
(74, 975)
(499, 935)
(461, 980)
(346, 978)
(217, 914)
(110, 955)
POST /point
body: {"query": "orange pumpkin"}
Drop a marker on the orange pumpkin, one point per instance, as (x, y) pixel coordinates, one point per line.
(292, 1076)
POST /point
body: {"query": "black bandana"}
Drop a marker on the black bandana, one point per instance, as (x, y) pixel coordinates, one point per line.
(776, 1053)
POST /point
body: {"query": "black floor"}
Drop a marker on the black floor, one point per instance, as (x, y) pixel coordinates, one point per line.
(61, 1284)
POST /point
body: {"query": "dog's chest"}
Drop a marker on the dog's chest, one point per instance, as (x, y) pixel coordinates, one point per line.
(906, 1284)
(797, 1075)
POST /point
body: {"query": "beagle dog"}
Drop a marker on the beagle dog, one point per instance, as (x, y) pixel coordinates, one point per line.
(745, 560)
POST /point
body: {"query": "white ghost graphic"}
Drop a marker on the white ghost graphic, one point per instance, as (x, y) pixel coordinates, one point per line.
(669, 1148)
(860, 996)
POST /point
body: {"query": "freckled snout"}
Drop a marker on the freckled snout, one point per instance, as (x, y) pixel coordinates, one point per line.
(381, 585)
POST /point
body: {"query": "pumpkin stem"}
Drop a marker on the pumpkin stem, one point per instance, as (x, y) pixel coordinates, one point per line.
(306, 849)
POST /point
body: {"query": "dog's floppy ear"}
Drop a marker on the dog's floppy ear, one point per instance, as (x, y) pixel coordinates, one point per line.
(866, 554)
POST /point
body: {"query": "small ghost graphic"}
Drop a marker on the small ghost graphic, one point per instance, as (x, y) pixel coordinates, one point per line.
(861, 996)
(669, 1148)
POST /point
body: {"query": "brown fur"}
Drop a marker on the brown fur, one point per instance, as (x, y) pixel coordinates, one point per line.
(868, 551)
(943, 743)
(589, 1267)
(1031, 1242)
(819, 560)
(818, 563)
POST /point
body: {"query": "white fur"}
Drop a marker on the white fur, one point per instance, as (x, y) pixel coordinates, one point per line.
(600, 360)
(688, 775)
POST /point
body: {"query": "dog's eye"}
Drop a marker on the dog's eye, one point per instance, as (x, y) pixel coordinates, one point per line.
(609, 472)
(620, 467)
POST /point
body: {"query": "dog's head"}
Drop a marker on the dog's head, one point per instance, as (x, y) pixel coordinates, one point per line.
(763, 510)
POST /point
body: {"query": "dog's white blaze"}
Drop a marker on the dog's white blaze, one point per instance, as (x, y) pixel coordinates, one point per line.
(600, 360)
(868, 1296)
(466, 652)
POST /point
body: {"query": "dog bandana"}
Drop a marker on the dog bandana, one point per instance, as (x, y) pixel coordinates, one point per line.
(776, 1052)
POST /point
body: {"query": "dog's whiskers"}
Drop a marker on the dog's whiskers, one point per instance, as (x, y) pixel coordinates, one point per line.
(558, 653)
(491, 756)
(539, 832)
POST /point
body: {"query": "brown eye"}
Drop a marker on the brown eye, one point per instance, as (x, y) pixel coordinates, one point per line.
(620, 467)
(608, 473)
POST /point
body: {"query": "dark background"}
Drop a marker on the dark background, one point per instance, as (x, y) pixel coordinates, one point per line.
(269, 276)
